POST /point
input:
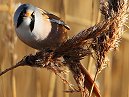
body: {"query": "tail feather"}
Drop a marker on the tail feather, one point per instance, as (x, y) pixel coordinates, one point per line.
(89, 81)
(82, 77)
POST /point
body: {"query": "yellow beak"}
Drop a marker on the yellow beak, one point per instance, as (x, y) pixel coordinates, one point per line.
(28, 14)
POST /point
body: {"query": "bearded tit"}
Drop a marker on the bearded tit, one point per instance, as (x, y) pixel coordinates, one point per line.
(38, 28)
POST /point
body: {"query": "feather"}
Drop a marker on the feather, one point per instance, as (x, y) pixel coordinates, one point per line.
(55, 19)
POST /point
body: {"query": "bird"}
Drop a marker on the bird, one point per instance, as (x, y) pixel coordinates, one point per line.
(39, 28)
(43, 30)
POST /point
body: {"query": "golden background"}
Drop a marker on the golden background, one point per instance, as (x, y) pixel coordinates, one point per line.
(36, 82)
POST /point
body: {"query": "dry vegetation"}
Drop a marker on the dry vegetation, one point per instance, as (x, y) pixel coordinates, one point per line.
(32, 82)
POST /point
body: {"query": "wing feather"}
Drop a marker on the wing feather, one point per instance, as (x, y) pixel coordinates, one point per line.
(55, 19)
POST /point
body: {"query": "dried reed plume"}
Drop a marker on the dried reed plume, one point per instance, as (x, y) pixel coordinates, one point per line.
(96, 41)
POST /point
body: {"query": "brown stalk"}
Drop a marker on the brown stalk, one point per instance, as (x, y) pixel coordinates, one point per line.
(97, 40)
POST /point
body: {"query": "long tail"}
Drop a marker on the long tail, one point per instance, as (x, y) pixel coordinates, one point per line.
(88, 82)
(82, 77)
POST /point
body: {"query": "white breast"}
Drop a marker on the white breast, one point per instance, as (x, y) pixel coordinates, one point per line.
(42, 28)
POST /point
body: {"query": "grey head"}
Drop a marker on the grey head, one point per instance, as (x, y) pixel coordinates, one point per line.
(20, 13)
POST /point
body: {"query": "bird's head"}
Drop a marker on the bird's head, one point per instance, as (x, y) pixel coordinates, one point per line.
(25, 13)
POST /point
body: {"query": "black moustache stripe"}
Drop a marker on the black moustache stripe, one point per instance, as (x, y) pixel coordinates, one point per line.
(32, 22)
(20, 18)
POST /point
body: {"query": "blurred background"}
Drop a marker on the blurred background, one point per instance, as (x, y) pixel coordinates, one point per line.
(33, 82)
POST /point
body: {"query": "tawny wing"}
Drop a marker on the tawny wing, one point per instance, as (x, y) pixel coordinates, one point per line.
(55, 19)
